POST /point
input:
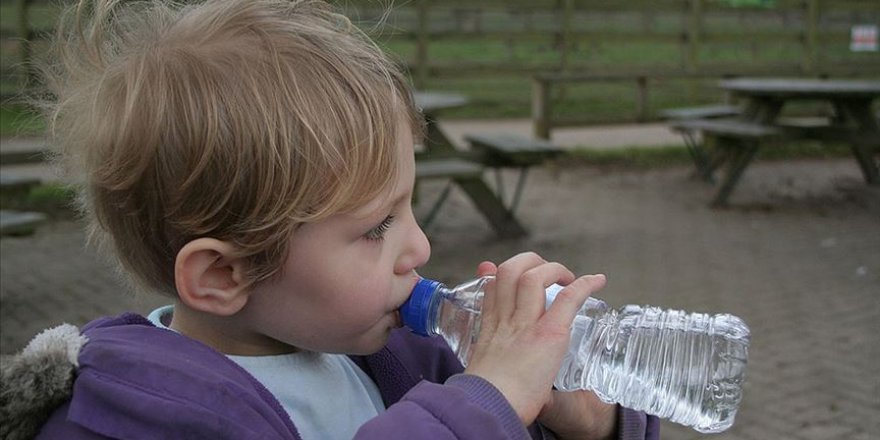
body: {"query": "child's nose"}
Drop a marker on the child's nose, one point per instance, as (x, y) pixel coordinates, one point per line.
(416, 251)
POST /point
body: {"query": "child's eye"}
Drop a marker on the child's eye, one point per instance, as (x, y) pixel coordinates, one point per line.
(378, 233)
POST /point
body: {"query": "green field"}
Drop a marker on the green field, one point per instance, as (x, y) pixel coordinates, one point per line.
(490, 51)
(19, 120)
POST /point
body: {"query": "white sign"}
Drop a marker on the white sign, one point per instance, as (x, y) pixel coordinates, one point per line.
(863, 38)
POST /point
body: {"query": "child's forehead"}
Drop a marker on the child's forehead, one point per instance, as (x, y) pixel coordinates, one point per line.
(375, 207)
(397, 189)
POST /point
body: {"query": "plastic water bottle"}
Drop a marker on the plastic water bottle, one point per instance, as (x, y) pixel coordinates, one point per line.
(685, 367)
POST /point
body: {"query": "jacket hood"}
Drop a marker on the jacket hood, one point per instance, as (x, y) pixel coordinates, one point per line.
(131, 378)
(36, 381)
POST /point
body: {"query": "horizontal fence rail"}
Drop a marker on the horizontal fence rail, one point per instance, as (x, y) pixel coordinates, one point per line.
(543, 87)
(492, 49)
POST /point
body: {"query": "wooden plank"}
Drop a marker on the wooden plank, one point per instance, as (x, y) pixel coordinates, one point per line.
(589, 5)
(22, 157)
(706, 111)
(19, 222)
(509, 150)
(727, 127)
(642, 103)
(511, 143)
(447, 168)
(758, 36)
(811, 42)
(693, 32)
(803, 88)
(541, 108)
(14, 182)
(422, 36)
(718, 70)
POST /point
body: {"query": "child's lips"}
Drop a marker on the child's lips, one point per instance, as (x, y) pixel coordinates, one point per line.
(398, 320)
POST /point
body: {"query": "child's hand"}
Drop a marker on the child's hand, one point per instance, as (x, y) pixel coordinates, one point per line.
(579, 415)
(521, 345)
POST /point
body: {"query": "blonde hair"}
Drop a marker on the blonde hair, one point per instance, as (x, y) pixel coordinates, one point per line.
(233, 119)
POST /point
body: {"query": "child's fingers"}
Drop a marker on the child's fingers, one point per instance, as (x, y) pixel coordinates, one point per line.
(486, 268)
(507, 281)
(531, 299)
(570, 300)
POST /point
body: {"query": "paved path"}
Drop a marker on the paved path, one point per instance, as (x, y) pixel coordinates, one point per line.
(797, 257)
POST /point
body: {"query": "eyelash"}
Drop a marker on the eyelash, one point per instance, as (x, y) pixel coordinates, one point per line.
(378, 233)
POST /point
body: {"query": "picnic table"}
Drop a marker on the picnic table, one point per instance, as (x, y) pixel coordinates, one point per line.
(441, 158)
(739, 137)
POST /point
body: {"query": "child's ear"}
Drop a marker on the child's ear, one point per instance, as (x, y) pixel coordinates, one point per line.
(210, 278)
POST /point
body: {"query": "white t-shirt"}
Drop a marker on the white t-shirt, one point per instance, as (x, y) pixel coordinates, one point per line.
(327, 396)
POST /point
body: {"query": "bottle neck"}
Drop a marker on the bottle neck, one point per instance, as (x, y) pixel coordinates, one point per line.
(432, 318)
(419, 312)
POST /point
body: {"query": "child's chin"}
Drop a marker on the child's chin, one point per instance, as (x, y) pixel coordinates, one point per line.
(372, 346)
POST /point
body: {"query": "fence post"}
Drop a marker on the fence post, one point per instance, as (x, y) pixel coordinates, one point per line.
(566, 7)
(694, 24)
(25, 35)
(566, 34)
(422, 37)
(541, 107)
(810, 39)
(642, 100)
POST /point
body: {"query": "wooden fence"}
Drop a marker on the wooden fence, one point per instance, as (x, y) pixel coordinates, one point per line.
(454, 44)
(814, 30)
(544, 118)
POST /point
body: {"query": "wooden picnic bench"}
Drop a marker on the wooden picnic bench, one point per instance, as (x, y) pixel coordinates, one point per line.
(14, 184)
(466, 171)
(450, 169)
(14, 222)
(442, 160)
(733, 141)
(511, 151)
(700, 112)
(18, 223)
(736, 140)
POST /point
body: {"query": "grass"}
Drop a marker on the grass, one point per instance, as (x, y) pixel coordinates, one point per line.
(42, 15)
(499, 94)
(54, 199)
(19, 120)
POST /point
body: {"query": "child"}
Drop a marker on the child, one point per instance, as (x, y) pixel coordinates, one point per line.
(253, 161)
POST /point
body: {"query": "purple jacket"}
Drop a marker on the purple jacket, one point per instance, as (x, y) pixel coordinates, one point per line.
(137, 381)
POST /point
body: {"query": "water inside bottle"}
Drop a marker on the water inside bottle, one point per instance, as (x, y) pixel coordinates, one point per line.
(688, 368)
(459, 323)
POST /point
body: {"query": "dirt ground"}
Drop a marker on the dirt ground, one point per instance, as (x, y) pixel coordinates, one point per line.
(797, 256)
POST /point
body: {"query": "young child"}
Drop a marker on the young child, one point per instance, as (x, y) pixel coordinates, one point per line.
(253, 161)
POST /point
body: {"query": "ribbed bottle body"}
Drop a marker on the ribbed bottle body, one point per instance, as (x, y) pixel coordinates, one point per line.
(685, 367)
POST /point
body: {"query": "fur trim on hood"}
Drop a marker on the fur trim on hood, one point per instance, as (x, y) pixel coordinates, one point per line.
(36, 381)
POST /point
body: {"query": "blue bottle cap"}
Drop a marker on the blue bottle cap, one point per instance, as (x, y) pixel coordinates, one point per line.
(414, 312)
